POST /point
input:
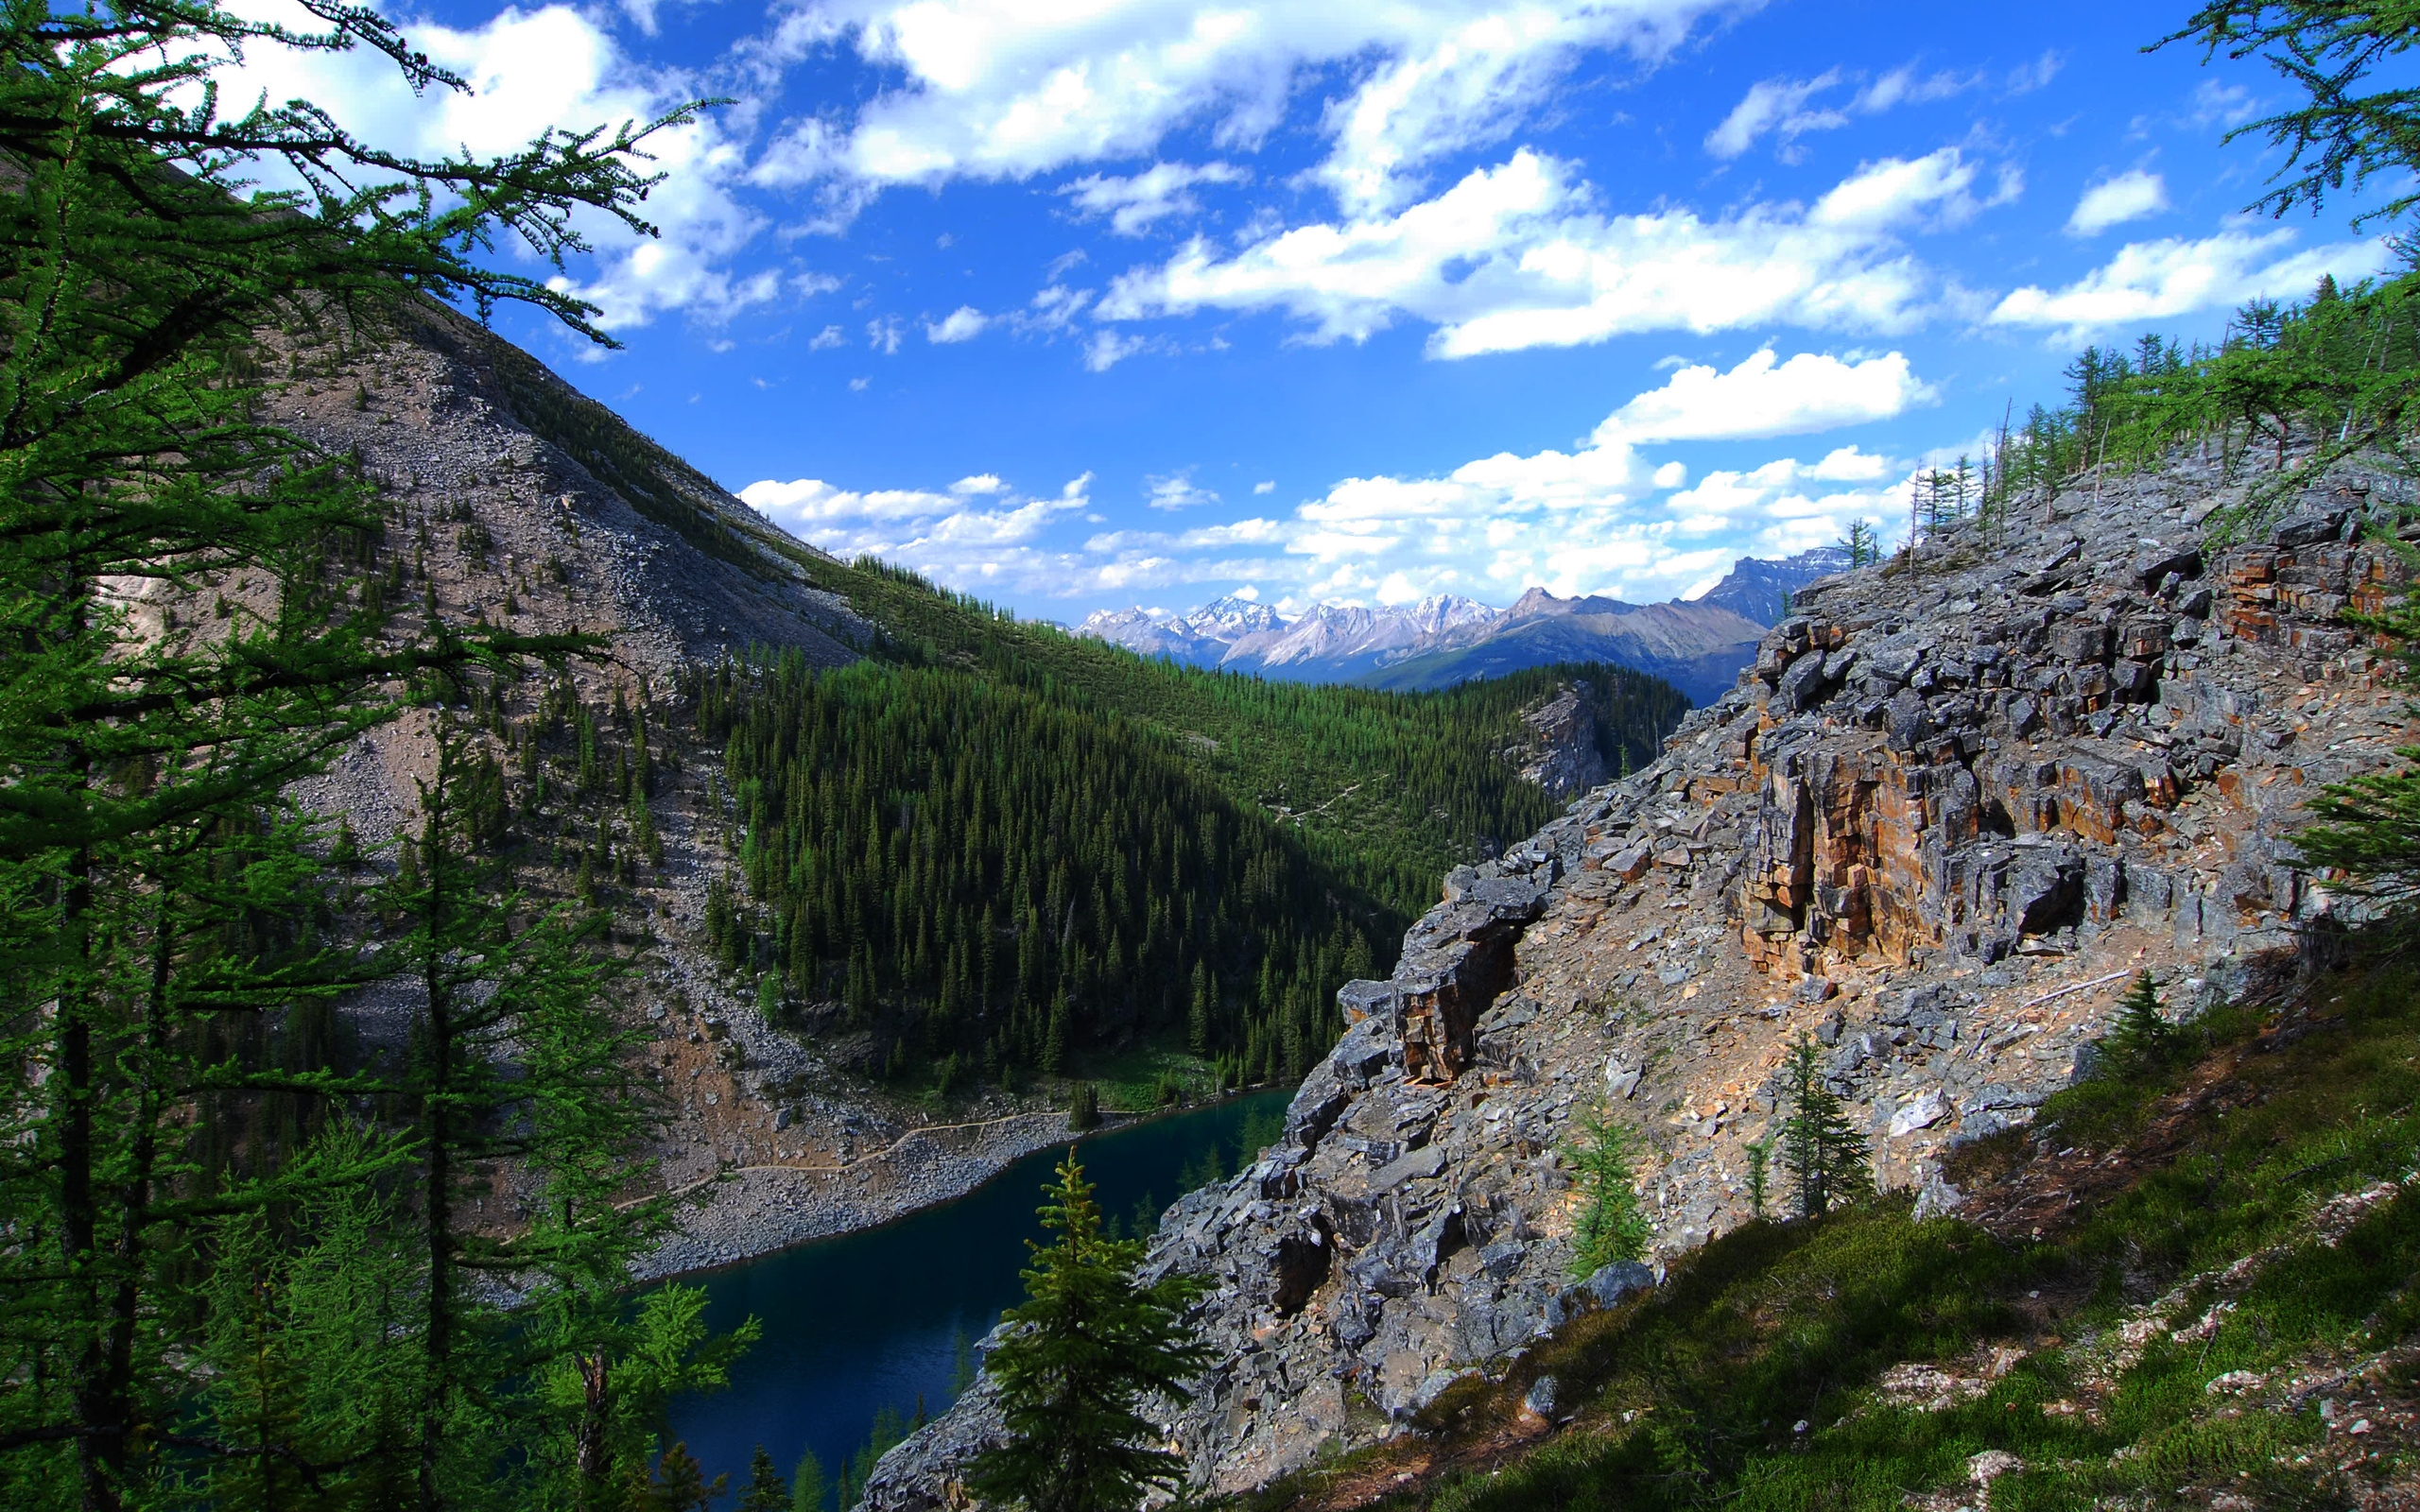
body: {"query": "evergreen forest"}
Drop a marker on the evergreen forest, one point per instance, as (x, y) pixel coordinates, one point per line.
(994, 867)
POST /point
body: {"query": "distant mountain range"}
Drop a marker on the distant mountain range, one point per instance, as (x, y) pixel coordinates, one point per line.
(1697, 644)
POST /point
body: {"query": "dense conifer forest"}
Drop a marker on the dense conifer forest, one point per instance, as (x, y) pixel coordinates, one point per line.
(995, 866)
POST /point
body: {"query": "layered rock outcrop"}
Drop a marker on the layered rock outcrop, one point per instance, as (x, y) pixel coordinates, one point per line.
(1957, 802)
(1558, 749)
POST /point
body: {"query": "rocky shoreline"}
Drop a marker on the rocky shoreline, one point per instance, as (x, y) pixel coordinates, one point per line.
(746, 1212)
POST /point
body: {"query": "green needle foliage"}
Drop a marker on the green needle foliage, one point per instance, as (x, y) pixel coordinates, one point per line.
(1018, 860)
(1612, 1225)
(1091, 1343)
(2339, 373)
(2342, 138)
(766, 1491)
(808, 1491)
(1821, 1148)
(2139, 1035)
(203, 1170)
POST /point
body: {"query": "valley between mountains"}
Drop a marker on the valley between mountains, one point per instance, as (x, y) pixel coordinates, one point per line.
(809, 1088)
(1951, 806)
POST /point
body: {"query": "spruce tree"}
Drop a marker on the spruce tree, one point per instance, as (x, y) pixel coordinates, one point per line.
(144, 287)
(766, 1491)
(2139, 1035)
(1821, 1148)
(1086, 1349)
(1610, 1225)
(808, 1491)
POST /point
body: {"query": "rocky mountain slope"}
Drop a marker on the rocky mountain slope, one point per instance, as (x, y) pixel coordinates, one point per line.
(1697, 644)
(1954, 805)
(515, 500)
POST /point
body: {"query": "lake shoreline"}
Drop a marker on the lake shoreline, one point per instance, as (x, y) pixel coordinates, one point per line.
(747, 1214)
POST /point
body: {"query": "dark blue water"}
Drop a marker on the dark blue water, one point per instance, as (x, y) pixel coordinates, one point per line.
(874, 1321)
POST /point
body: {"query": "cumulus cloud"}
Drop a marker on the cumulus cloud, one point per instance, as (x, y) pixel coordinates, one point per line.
(884, 335)
(1137, 201)
(978, 530)
(2129, 196)
(1518, 256)
(986, 91)
(830, 336)
(2159, 280)
(965, 323)
(531, 70)
(1763, 397)
(1602, 517)
(1596, 520)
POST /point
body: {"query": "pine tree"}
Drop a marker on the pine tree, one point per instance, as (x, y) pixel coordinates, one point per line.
(2139, 1035)
(1083, 1106)
(1860, 545)
(1086, 1348)
(1610, 1225)
(144, 774)
(1821, 1148)
(1054, 1042)
(808, 1491)
(766, 1491)
(680, 1484)
(1760, 1154)
(1197, 1023)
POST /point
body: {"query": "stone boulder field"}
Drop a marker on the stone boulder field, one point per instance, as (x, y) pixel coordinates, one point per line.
(1959, 801)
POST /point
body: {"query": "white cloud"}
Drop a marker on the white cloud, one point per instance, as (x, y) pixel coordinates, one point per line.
(1760, 397)
(1776, 105)
(994, 91)
(2129, 196)
(2219, 103)
(978, 530)
(1785, 108)
(1134, 203)
(1787, 507)
(2159, 280)
(1601, 518)
(1264, 486)
(1176, 490)
(884, 335)
(1516, 256)
(529, 72)
(828, 338)
(1107, 349)
(965, 323)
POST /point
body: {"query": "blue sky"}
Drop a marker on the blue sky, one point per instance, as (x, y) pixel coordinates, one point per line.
(1098, 303)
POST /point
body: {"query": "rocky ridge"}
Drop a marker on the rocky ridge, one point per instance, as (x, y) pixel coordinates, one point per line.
(522, 503)
(1956, 801)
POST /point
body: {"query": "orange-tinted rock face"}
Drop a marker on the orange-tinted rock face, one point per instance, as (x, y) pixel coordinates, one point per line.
(1952, 810)
(1894, 785)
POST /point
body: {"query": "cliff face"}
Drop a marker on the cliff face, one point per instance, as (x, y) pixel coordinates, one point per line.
(1559, 749)
(1954, 806)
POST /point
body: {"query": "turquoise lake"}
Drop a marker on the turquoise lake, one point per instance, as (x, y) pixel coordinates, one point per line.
(875, 1319)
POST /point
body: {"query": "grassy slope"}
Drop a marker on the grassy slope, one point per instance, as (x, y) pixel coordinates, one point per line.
(2275, 1144)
